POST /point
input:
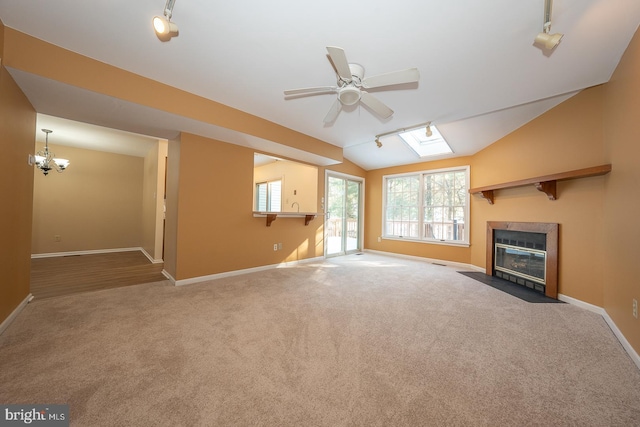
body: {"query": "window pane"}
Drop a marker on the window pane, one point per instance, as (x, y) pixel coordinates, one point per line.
(275, 203)
(261, 196)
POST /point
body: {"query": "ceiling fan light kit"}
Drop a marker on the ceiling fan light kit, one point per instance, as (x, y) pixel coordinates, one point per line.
(351, 84)
(349, 95)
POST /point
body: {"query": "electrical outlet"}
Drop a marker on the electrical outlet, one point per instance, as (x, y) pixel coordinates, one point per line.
(379, 239)
(57, 238)
(275, 246)
(279, 246)
(635, 308)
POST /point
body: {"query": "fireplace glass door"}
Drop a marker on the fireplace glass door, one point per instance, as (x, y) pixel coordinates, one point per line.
(522, 262)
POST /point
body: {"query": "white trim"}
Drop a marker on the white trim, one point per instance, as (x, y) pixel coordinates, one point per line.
(614, 328)
(421, 174)
(90, 252)
(625, 344)
(590, 307)
(199, 279)
(430, 242)
(430, 260)
(169, 277)
(5, 324)
(154, 261)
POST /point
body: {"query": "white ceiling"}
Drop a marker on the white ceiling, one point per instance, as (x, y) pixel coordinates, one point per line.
(481, 75)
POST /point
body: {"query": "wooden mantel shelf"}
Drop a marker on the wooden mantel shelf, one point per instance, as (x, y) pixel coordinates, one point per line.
(546, 184)
(271, 216)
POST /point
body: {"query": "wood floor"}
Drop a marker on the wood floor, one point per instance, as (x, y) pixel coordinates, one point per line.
(57, 276)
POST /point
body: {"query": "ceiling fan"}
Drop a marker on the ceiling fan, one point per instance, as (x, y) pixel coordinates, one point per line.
(351, 85)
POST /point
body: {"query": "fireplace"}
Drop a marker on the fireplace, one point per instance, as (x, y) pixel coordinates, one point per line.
(525, 253)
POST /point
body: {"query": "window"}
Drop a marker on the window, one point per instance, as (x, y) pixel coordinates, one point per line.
(268, 196)
(427, 206)
(426, 144)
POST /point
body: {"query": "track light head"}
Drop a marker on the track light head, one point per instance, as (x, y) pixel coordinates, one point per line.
(378, 143)
(428, 130)
(548, 41)
(163, 27)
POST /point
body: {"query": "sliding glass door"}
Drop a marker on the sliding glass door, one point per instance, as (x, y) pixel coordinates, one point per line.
(343, 220)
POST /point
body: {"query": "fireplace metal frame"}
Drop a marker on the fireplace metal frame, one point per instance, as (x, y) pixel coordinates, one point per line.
(551, 230)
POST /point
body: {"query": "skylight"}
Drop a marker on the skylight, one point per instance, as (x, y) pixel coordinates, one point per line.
(423, 145)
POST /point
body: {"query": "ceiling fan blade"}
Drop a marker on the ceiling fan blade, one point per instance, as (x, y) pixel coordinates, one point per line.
(318, 89)
(376, 105)
(409, 75)
(339, 60)
(332, 115)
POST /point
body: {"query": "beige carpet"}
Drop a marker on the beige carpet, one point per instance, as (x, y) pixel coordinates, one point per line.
(354, 341)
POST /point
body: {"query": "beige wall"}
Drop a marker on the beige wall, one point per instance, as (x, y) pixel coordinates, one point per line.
(299, 184)
(95, 204)
(620, 227)
(17, 133)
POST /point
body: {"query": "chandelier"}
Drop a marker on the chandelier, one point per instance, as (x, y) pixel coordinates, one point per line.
(45, 160)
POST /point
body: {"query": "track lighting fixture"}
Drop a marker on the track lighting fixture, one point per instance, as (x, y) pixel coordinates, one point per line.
(165, 29)
(545, 39)
(549, 41)
(423, 139)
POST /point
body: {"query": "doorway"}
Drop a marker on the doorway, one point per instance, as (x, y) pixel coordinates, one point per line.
(343, 220)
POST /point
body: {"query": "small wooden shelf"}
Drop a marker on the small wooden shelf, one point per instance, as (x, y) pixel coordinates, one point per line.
(271, 216)
(546, 184)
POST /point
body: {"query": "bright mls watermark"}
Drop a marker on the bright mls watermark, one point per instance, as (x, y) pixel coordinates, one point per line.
(34, 415)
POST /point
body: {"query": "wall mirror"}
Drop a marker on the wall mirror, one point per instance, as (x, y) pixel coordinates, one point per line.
(281, 185)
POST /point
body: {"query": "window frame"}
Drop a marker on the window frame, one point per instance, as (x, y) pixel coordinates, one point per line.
(421, 208)
(269, 192)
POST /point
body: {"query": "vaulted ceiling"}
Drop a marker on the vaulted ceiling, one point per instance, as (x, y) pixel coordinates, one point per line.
(481, 76)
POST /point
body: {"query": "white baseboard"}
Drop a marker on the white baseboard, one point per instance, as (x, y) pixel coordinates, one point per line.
(614, 328)
(5, 324)
(169, 276)
(89, 252)
(97, 251)
(592, 308)
(430, 260)
(193, 280)
(152, 259)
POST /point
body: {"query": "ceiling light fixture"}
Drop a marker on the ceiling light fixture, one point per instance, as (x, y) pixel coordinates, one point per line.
(45, 160)
(548, 41)
(165, 29)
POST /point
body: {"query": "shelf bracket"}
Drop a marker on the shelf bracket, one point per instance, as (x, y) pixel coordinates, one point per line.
(488, 195)
(547, 187)
(270, 219)
(308, 218)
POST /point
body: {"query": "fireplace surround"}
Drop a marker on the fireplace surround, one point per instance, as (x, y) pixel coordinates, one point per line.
(525, 253)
